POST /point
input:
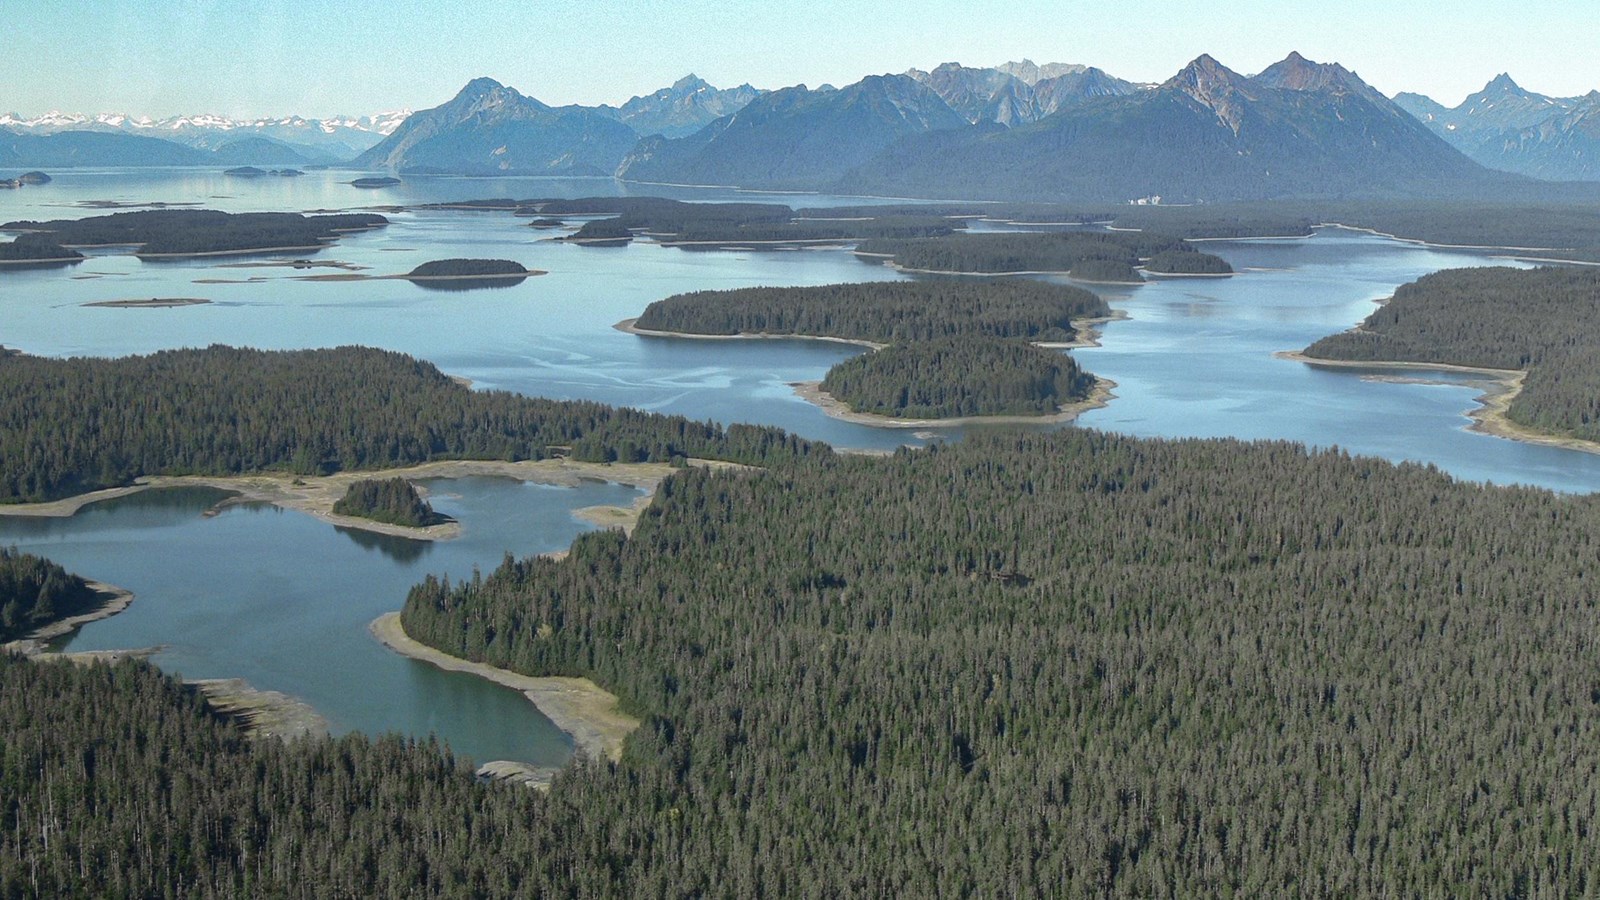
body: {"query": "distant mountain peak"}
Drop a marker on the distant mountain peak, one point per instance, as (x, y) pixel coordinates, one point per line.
(1296, 73)
(1214, 86)
(690, 83)
(1504, 84)
(1030, 74)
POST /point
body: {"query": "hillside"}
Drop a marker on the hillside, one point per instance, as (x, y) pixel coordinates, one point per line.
(1207, 134)
(796, 138)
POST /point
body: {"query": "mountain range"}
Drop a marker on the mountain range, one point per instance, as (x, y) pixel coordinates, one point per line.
(331, 140)
(1017, 131)
(1505, 126)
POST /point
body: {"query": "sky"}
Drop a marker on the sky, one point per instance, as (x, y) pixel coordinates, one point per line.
(326, 57)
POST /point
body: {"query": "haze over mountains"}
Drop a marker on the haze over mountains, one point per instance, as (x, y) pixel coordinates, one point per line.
(1507, 127)
(1018, 131)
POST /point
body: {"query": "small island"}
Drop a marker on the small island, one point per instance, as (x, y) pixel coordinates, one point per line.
(286, 173)
(392, 501)
(375, 182)
(958, 378)
(546, 222)
(245, 172)
(1530, 329)
(470, 268)
(469, 274)
(33, 178)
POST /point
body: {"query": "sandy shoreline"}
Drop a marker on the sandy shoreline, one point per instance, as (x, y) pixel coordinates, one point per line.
(576, 705)
(1489, 417)
(315, 495)
(627, 325)
(812, 392)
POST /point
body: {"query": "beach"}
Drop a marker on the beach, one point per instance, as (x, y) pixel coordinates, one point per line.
(576, 705)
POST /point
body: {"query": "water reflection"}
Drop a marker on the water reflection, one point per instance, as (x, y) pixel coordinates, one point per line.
(399, 549)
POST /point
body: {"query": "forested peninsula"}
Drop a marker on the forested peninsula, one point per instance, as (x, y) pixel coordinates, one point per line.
(957, 378)
(883, 312)
(1538, 321)
(156, 233)
(35, 592)
(68, 426)
(1073, 663)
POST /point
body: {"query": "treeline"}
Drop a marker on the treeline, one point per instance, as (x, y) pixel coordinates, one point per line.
(1187, 261)
(1574, 228)
(1075, 664)
(117, 782)
(1539, 320)
(24, 250)
(1090, 255)
(456, 268)
(74, 425)
(192, 231)
(393, 501)
(883, 312)
(951, 377)
(35, 592)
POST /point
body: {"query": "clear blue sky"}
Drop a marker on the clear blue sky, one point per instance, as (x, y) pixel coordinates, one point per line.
(321, 57)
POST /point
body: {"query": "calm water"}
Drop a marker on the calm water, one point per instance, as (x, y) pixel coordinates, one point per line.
(276, 598)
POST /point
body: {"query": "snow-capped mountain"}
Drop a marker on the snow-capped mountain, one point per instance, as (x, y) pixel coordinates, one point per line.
(334, 139)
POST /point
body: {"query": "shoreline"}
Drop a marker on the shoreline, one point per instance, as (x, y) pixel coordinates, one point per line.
(578, 706)
(1489, 418)
(628, 326)
(812, 392)
(315, 495)
(36, 643)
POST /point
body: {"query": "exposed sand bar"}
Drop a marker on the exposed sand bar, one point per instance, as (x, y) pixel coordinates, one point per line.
(812, 392)
(315, 495)
(262, 714)
(576, 705)
(152, 303)
(1490, 416)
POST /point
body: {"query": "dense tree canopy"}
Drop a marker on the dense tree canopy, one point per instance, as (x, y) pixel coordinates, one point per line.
(35, 592)
(1034, 251)
(958, 376)
(73, 425)
(159, 232)
(456, 268)
(1078, 664)
(393, 501)
(1541, 320)
(883, 312)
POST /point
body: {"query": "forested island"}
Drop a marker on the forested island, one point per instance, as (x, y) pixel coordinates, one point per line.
(470, 268)
(958, 377)
(68, 426)
(379, 182)
(883, 312)
(1088, 255)
(1540, 321)
(193, 232)
(34, 592)
(392, 501)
